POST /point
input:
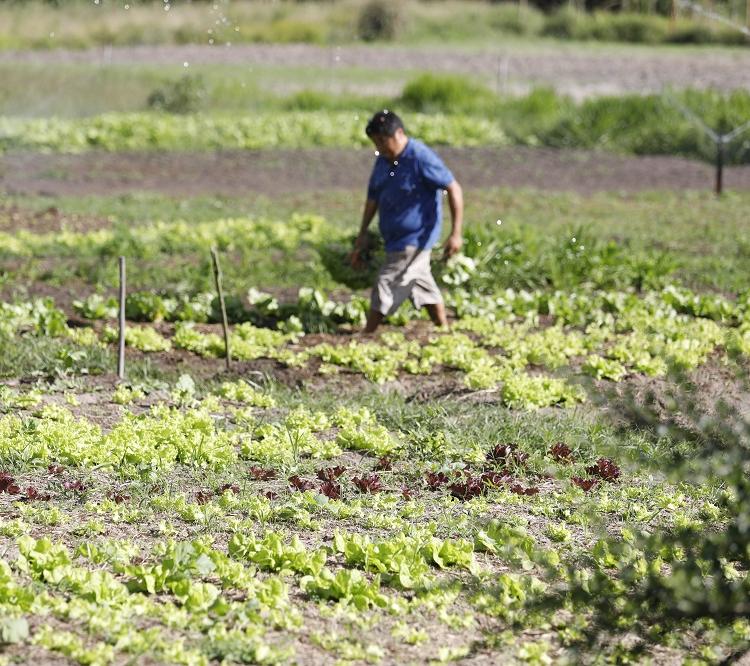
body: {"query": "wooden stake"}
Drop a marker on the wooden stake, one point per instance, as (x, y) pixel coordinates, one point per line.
(121, 341)
(225, 326)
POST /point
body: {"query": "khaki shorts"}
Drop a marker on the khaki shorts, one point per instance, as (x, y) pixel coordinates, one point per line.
(405, 275)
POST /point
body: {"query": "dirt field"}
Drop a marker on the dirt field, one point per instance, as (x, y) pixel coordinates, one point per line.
(573, 70)
(283, 171)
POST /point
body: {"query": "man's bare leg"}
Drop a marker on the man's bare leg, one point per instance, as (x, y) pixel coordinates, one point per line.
(374, 319)
(437, 314)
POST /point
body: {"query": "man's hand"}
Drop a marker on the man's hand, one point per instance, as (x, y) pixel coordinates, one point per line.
(452, 245)
(360, 246)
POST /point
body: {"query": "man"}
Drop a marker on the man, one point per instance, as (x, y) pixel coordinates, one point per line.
(406, 188)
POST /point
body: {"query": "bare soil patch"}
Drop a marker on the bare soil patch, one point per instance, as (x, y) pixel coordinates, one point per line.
(283, 172)
(49, 220)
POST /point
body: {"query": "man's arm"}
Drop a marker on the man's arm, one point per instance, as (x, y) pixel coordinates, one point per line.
(371, 207)
(456, 203)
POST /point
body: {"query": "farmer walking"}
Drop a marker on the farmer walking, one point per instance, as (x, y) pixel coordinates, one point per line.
(405, 187)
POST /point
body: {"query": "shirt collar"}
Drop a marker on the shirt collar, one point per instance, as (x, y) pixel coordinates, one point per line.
(408, 149)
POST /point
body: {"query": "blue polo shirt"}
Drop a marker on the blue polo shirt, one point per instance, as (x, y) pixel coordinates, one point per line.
(408, 193)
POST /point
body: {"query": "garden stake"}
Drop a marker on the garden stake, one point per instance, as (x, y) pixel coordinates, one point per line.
(121, 340)
(217, 279)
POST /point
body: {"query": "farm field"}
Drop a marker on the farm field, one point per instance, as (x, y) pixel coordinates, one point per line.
(560, 476)
(333, 498)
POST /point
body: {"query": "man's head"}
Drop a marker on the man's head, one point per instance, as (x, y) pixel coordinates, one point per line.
(386, 131)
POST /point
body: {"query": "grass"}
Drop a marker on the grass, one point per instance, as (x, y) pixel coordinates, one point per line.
(76, 90)
(81, 25)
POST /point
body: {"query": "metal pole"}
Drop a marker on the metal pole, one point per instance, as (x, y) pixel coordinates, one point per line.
(225, 326)
(121, 341)
(720, 144)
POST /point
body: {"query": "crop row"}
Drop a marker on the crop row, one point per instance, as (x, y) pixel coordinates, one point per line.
(634, 124)
(497, 343)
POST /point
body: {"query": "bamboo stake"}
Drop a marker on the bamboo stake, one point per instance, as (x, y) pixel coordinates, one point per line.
(121, 340)
(225, 326)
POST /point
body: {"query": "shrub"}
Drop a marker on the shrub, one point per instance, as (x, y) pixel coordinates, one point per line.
(308, 100)
(516, 19)
(378, 20)
(431, 93)
(185, 95)
(563, 24)
(637, 28)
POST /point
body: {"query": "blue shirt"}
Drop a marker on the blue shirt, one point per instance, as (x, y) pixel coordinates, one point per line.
(408, 194)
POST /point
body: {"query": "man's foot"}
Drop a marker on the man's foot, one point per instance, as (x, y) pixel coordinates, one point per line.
(437, 314)
(374, 319)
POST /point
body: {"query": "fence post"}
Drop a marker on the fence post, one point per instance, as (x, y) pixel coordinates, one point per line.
(121, 339)
(224, 324)
(720, 146)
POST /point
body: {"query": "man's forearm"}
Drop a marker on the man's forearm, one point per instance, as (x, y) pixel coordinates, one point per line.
(371, 207)
(456, 203)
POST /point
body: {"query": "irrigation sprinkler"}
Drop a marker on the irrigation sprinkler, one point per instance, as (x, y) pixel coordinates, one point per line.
(721, 140)
(121, 339)
(224, 325)
(714, 16)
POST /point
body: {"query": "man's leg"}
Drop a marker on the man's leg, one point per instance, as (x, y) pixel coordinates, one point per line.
(437, 314)
(389, 291)
(374, 319)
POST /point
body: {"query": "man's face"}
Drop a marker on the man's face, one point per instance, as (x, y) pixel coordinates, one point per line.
(389, 146)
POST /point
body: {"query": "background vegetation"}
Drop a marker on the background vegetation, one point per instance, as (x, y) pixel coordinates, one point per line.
(83, 24)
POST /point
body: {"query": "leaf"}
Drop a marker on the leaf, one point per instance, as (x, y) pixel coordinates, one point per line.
(604, 469)
(204, 564)
(561, 453)
(330, 473)
(13, 630)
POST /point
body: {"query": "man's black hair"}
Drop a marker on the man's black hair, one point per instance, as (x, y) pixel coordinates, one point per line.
(384, 123)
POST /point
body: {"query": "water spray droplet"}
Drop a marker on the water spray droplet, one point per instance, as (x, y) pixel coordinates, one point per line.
(395, 162)
(392, 174)
(186, 64)
(377, 153)
(573, 240)
(499, 222)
